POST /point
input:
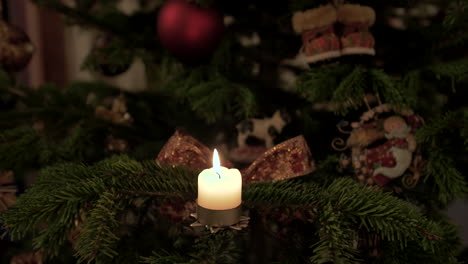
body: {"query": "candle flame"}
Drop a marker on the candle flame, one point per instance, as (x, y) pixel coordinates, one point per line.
(216, 163)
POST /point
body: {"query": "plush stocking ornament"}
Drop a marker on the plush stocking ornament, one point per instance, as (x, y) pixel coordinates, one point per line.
(318, 36)
(356, 38)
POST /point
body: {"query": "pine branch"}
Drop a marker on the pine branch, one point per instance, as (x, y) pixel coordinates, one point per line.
(100, 231)
(282, 193)
(411, 84)
(326, 171)
(212, 96)
(62, 190)
(437, 128)
(412, 255)
(81, 16)
(450, 183)
(13, 142)
(323, 85)
(54, 201)
(220, 247)
(455, 70)
(165, 257)
(385, 86)
(369, 208)
(24, 146)
(441, 167)
(343, 206)
(6, 80)
(337, 238)
(455, 14)
(351, 91)
(318, 84)
(116, 55)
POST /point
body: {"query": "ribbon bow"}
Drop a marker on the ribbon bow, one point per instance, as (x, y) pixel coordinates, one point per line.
(289, 159)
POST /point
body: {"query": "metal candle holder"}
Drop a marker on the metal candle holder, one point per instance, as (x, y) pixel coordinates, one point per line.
(217, 220)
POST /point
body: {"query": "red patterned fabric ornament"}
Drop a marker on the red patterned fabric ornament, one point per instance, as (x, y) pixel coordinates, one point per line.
(356, 38)
(319, 40)
(290, 159)
(184, 150)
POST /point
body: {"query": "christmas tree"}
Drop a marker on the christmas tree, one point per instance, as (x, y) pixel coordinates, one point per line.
(343, 124)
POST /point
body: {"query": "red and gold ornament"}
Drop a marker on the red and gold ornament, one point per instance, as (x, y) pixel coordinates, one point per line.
(191, 33)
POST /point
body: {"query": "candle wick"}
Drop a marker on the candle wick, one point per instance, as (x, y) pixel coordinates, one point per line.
(219, 175)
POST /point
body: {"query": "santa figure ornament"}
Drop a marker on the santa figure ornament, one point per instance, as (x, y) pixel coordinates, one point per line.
(383, 146)
(191, 33)
(396, 154)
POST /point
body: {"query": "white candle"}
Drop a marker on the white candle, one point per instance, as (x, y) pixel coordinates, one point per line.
(219, 188)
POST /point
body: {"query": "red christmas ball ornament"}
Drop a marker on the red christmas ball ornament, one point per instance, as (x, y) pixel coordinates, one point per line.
(188, 31)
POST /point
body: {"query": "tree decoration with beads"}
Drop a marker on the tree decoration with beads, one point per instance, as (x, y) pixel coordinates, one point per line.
(383, 146)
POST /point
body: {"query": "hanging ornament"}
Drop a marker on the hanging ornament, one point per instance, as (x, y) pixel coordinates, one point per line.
(191, 33)
(118, 114)
(383, 146)
(15, 47)
(322, 41)
(356, 38)
(7, 190)
(105, 60)
(255, 136)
